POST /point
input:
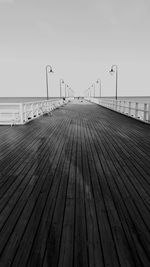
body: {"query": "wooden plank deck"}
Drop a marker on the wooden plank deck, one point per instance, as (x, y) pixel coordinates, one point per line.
(75, 190)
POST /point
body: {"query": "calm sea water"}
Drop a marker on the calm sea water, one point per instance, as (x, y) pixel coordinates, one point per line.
(141, 99)
(22, 99)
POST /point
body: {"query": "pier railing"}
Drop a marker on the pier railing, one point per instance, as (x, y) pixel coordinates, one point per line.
(136, 110)
(21, 113)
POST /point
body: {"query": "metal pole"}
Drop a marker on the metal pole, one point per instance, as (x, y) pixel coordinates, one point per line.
(65, 89)
(116, 82)
(60, 88)
(93, 89)
(111, 72)
(47, 83)
(100, 88)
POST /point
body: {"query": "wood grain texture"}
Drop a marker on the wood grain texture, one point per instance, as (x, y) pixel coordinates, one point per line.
(75, 190)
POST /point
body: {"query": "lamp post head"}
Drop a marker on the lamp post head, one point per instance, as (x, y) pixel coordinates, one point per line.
(111, 71)
(49, 69)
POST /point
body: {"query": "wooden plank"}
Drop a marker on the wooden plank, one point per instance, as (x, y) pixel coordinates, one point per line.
(55, 232)
(75, 191)
(119, 243)
(40, 242)
(110, 162)
(41, 172)
(81, 257)
(95, 249)
(67, 241)
(14, 186)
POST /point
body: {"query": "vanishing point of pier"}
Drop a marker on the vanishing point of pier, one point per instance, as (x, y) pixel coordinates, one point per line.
(75, 190)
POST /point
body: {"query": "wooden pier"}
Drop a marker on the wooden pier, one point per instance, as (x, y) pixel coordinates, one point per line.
(75, 190)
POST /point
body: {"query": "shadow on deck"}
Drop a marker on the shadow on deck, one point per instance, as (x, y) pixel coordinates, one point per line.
(75, 190)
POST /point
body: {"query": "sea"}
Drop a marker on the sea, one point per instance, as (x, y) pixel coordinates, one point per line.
(23, 99)
(140, 99)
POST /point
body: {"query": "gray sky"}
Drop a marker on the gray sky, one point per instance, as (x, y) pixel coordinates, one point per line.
(81, 39)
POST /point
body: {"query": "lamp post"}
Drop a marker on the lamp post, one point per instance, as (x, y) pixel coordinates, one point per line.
(100, 86)
(112, 71)
(68, 91)
(66, 87)
(93, 85)
(61, 81)
(90, 91)
(48, 69)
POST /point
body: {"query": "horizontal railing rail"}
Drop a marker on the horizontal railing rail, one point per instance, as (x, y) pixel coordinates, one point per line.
(21, 113)
(136, 110)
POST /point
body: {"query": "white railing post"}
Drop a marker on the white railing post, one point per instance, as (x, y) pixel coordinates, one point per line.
(25, 111)
(41, 108)
(37, 109)
(145, 111)
(113, 105)
(47, 106)
(148, 112)
(129, 110)
(32, 111)
(116, 105)
(124, 104)
(136, 110)
(119, 105)
(21, 113)
(50, 106)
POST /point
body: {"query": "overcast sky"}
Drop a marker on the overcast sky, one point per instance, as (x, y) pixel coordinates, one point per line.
(81, 39)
